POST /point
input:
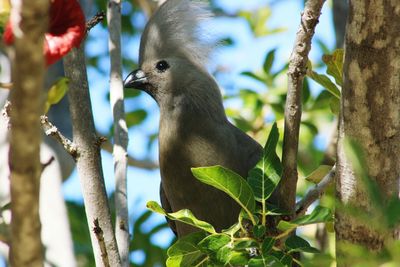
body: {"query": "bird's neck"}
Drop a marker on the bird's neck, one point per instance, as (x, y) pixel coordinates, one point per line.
(189, 107)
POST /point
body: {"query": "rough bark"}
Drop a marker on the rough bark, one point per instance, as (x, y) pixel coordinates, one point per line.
(89, 160)
(120, 131)
(29, 20)
(296, 73)
(370, 109)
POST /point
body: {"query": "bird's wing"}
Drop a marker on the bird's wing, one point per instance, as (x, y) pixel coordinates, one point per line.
(167, 207)
(249, 150)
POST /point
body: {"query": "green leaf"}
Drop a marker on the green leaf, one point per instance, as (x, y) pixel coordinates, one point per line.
(253, 75)
(232, 230)
(135, 117)
(131, 93)
(238, 258)
(56, 92)
(267, 245)
(334, 104)
(259, 230)
(318, 215)
(285, 259)
(325, 82)
(392, 213)
(334, 65)
(265, 176)
(268, 261)
(317, 175)
(295, 243)
(185, 251)
(275, 210)
(245, 244)
(286, 226)
(215, 246)
(212, 243)
(183, 215)
(269, 60)
(229, 182)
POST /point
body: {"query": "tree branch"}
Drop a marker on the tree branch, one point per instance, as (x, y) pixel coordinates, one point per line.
(296, 73)
(96, 19)
(133, 162)
(51, 130)
(29, 19)
(315, 193)
(89, 159)
(100, 239)
(120, 130)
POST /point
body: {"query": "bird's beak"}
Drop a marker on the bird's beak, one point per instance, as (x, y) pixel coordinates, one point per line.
(136, 79)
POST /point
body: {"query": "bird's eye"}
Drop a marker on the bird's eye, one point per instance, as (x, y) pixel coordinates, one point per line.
(162, 65)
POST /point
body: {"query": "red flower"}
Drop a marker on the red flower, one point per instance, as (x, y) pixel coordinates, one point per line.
(67, 28)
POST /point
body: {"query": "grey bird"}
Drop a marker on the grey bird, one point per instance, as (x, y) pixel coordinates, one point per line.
(194, 130)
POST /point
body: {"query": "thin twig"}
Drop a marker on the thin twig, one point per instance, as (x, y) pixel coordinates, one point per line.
(51, 130)
(315, 193)
(96, 19)
(120, 131)
(296, 73)
(133, 162)
(100, 238)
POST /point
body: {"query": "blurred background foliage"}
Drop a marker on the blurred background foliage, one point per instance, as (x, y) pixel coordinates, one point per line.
(251, 104)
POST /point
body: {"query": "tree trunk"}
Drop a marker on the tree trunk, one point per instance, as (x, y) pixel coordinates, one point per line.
(369, 115)
(29, 21)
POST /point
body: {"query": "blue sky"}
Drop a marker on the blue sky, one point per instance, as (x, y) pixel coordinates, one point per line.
(246, 54)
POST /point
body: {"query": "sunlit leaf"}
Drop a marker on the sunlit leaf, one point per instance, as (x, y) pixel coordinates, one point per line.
(183, 215)
(267, 261)
(334, 65)
(185, 251)
(215, 247)
(229, 182)
(317, 175)
(318, 215)
(325, 82)
(265, 176)
(56, 92)
(245, 244)
(238, 258)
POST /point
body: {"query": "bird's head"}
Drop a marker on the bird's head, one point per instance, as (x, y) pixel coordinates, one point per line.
(173, 51)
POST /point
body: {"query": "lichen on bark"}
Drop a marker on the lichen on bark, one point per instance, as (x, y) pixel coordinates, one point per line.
(369, 115)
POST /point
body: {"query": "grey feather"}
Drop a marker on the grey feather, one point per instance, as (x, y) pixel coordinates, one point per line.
(176, 29)
(194, 130)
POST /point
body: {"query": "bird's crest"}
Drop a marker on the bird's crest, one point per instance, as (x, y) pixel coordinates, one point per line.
(175, 30)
